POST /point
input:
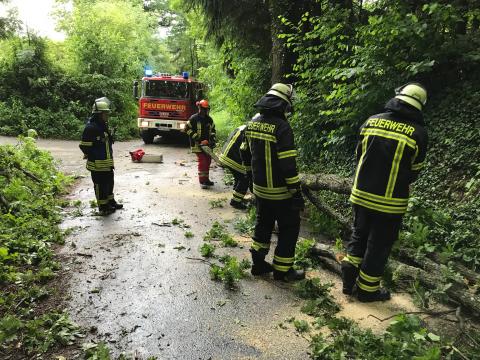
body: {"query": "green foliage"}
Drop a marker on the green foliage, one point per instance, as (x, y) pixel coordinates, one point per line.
(218, 232)
(39, 334)
(319, 301)
(405, 338)
(29, 221)
(215, 233)
(112, 38)
(323, 224)
(188, 234)
(207, 250)
(217, 203)
(245, 225)
(301, 326)
(232, 271)
(98, 351)
(302, 251)
(238, 92)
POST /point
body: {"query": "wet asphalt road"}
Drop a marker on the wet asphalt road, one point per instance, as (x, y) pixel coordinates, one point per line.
(131, 282)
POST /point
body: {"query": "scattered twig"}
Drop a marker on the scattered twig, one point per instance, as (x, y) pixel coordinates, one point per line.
(27, 173)
(459, 353)
(162, 224)
(430, 313)
(84, 255)
(198, 259)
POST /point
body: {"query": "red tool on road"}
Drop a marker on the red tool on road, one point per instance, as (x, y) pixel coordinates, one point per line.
(137, 155)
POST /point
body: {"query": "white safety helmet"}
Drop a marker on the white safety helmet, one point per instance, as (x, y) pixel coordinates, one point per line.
(101, 105)
(414, 94)
(283, 91)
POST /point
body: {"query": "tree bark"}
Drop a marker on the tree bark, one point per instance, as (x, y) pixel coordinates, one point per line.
(434, 265)
(457, 294)
(330, 182)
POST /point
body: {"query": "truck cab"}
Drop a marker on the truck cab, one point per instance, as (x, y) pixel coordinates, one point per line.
(165, 103)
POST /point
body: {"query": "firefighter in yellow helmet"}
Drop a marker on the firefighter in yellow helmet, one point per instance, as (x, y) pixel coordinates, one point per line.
(390, 154)
(269, 155)
(96, 146)
(201, 130)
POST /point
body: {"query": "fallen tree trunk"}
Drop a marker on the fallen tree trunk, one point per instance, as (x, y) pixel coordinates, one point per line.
(437, 266)
(458, 293)
(330, 182)
(346, 225)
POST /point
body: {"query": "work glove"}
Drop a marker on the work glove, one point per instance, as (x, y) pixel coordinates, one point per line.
(298, 203)
(204, 142)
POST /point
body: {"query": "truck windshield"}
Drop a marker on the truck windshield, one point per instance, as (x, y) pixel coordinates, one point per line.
(166, 89)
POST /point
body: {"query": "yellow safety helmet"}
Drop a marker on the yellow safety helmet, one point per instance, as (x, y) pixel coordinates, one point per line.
(101, 105)
(283, 91)
(413, 93)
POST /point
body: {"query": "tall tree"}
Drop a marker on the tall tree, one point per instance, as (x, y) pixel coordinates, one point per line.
(112, 38)
(9, 24)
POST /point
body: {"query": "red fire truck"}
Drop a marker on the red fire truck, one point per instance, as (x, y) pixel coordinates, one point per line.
(165, 103)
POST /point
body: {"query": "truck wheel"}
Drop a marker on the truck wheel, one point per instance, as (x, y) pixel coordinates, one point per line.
(147, 136)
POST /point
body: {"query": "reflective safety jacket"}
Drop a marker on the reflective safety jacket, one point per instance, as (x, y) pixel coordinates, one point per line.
(390, 154)
(230, 156)
(200, 128)
(96, 144)
(268, 151)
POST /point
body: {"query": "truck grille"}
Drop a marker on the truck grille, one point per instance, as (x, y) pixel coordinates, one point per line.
(165, 114)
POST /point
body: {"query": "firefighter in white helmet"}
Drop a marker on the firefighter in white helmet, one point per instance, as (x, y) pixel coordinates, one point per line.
(390, 154)
(269, 156)
(96, 145)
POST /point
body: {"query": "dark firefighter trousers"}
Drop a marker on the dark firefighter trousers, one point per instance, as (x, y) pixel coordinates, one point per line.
(373, 236)
(103, 186)
(288, 220)
(240, 185)
(204, 161)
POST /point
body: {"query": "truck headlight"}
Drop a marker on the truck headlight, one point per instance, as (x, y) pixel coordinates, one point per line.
(144, 124)
(181, 126)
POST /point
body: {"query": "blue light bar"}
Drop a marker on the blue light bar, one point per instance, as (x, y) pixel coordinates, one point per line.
(185, 74)
(147, 70)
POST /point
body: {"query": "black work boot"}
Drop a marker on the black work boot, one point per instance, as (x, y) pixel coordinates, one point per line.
(367, 296)
(259, 265)
(115, 205)
(290, 275)
(349, 277)
(105, 210)
(238, 205)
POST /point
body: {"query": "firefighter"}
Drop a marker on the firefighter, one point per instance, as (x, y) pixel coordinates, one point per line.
(390, 153)
(231, 159)
(269, 155)
(201, 130)
(96, 146)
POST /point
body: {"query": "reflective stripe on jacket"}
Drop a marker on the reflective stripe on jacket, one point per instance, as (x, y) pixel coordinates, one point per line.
(230, 156)
(269, 153)
(97, 145)
(390, 153)
(199, 128)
